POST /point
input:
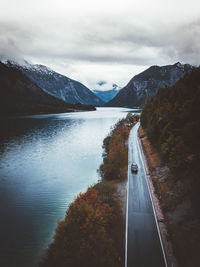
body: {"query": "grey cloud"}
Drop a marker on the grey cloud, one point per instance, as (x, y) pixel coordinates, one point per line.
(100, 83)
(12, 41)
(107, 41)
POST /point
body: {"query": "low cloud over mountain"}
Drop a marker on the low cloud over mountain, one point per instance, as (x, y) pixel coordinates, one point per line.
(88, 42)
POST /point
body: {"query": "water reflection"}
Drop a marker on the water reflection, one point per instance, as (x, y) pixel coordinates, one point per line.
(46, 160)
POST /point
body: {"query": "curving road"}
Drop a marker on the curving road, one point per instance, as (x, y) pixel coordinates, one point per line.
(143, 245)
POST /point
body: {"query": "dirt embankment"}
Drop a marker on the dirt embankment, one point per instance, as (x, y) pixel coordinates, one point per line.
(153, 164)
(122, 191)
(179, 219)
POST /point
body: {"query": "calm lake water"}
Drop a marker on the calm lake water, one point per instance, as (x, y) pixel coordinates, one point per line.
(45, 161)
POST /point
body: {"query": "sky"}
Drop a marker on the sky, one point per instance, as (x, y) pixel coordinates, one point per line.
(100, 40)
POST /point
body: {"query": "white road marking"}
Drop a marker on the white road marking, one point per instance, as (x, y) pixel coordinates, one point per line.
(138, 154)
(161, 243)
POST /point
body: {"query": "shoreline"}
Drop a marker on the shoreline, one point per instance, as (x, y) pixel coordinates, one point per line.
(95, 220)
(44, 113)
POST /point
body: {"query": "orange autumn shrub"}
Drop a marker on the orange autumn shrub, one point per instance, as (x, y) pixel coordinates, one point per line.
(92, 234)
(85, 237)
(115, 155)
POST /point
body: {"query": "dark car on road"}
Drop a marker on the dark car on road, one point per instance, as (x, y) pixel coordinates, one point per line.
(134, 167)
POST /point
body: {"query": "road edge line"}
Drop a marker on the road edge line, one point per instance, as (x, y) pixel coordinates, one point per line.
(127, 195)
(147, 174)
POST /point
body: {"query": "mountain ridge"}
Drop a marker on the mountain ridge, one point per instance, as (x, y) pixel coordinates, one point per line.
(147, 83)
(20, 96)
(107, 95)
(58, 85)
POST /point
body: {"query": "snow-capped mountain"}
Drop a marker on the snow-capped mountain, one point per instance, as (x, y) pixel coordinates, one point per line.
(20, 96)
(108, 94)
(147, 83)
(59, 85)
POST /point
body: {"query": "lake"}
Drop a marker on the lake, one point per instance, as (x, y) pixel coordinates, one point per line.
(45, 161)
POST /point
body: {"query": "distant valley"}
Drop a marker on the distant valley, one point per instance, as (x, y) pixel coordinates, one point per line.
(30, 88)
(107, 95)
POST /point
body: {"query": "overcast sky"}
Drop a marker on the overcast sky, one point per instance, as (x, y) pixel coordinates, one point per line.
(95, 40)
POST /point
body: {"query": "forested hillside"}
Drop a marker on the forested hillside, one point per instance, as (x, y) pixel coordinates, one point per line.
(172, 123)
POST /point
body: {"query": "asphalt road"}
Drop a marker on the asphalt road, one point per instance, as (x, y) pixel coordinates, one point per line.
(143, 245)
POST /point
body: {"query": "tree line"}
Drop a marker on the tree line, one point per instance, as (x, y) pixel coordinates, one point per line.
(172, 122)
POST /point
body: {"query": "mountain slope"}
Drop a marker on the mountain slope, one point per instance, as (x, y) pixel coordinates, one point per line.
(108, 94)
(19, 95)
(147, 83)
(59, 85)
